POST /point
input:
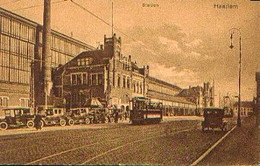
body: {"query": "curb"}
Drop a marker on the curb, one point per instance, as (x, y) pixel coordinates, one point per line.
(212, 148)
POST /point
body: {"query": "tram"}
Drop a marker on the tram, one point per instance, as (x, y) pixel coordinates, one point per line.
(144, 111)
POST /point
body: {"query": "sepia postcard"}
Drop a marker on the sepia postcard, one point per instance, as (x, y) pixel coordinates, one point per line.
(129, 82)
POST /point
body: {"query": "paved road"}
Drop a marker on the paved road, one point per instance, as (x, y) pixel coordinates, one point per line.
(24, 130)
(168, 143)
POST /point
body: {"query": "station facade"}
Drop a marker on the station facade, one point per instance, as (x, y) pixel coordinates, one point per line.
(114, 79)
(20, 57)
(80, 71)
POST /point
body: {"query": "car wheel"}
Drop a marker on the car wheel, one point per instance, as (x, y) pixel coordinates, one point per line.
(42, 123)
(71, 122)
(112, 120)
(62, 122)
(106, 120)
(30, 124)
(3, 125)
(87, 121)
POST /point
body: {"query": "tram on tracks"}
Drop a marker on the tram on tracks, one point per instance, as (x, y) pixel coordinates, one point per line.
(144, 111)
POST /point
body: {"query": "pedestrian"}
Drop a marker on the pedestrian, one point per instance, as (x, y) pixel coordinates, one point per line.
(116, 116)
(126, 115)
(38, 122)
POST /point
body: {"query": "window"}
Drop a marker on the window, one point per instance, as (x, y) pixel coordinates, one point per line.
(73, 79)
(141, 88)
(94, 77)
(79, 62)
(118, 81)
(4, 101)
(7, 112)
(5, 42)
(100, 79)
(128, 83)
(137, 87)
(6, 25)
(79, 80)
(84, 61)
(85, 79)
(31, 34)
(124, 82)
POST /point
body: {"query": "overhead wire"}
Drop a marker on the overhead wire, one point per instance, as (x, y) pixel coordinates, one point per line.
(34, 6)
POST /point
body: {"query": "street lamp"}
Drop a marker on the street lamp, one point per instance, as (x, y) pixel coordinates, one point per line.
(232, 31)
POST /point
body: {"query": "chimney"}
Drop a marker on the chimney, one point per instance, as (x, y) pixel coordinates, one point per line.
(46, 50)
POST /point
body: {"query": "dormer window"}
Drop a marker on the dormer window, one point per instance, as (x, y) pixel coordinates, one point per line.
(85, 61)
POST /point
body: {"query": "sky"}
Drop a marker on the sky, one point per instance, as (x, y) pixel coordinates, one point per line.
(185, 42)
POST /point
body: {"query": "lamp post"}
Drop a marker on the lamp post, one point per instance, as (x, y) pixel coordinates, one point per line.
(232, 31)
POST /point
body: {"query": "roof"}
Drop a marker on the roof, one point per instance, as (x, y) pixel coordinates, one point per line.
(193, 91)
(97, 56)
(163, 82)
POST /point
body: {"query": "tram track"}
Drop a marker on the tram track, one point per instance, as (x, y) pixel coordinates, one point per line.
(149, 135)
(42, 140)
(83, 146)
(70, 146)
(127, 144)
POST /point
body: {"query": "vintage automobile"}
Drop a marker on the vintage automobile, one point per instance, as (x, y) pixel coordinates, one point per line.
(53, 116)
(213, 118)
(78, 116)
(16, 117)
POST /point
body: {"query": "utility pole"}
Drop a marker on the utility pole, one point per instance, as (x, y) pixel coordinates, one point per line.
(239, 72)
(46, 51)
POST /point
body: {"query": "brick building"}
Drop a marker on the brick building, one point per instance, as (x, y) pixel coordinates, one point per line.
(80, 71)
(20, 57)
(200, 96)
(113, 78)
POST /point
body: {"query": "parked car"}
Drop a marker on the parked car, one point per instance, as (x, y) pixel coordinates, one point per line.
(78, 116)
(53, 116)
(16, 117)
(213, 118)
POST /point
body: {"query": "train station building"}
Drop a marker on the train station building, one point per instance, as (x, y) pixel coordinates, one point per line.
(114, 79)
(80, 71)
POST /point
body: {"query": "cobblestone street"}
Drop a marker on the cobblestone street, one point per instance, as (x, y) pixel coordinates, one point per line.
(171, 142)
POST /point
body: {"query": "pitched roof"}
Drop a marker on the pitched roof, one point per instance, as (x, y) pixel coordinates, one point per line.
(189, 92)
(163, 82)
